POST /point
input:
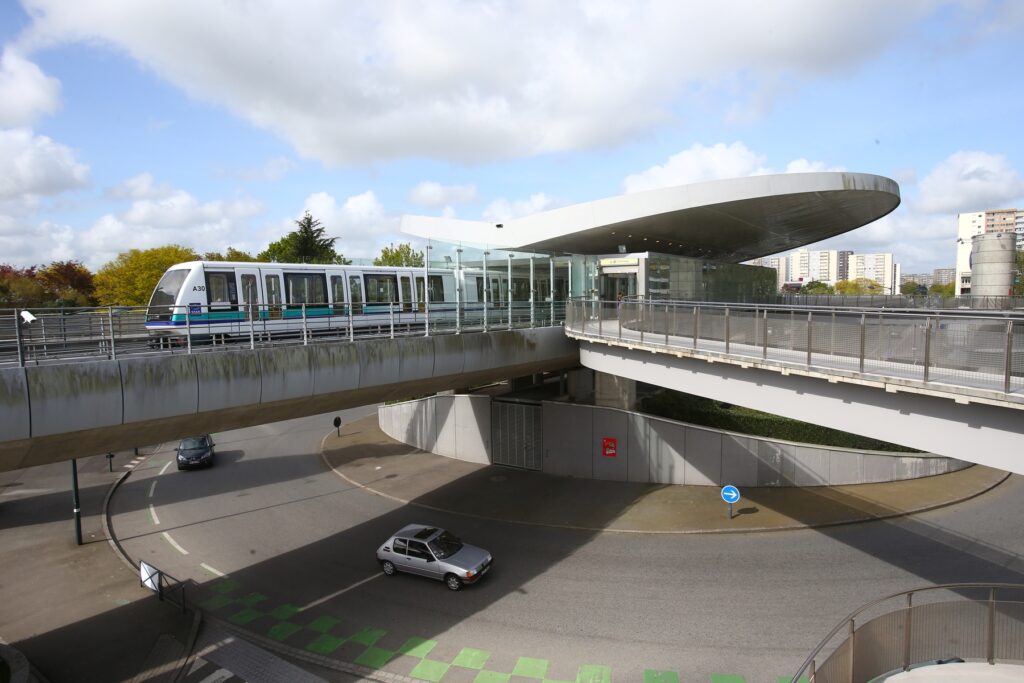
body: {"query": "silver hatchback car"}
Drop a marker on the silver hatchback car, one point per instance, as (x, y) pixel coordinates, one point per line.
(434, 553)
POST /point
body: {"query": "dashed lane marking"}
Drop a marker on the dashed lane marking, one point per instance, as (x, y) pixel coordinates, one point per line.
(175, 544)
(152, 487)
(165, 467)
(343, 590)
(211, 569)
(152, 512)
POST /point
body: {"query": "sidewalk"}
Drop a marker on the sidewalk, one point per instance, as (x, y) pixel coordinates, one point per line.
(76, 612)
(369, 458)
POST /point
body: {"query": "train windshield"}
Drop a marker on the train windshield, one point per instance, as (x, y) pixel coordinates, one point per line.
(166, 293)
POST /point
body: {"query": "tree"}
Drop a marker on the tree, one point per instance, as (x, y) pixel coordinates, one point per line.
(1018, 280)
(402, 255)
(861, 285)
(68, 283)
(20, 287)
(307, 244)
(945, 291)
(817, 287)
(910, 288)
(129, 280)
(232, 254)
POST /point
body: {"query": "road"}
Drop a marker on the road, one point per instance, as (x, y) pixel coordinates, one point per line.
(277, 523)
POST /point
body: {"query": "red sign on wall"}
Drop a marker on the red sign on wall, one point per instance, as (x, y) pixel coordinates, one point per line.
(609, 447)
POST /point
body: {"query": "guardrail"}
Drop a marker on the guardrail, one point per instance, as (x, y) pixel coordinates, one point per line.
(977, 351)
(166, 587)
(80, 334)
(983, 629)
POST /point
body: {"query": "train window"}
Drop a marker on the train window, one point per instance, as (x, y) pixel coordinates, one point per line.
(273, 290)
(479, 289)
(436, 288)
(250, 296)
(305, 288)
(221, 289)
(520, 289)
(338, 293)
(355, 286)
(381, 288)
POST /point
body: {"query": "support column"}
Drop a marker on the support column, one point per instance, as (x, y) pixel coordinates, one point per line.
(612, 391)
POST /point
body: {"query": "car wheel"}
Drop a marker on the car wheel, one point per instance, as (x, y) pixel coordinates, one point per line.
(388, 568)
(453, 582)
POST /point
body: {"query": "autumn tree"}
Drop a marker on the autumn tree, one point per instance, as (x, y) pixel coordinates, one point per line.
(20, 287)
(306, 244)
(129, 280)
(402, 255)
(68, 283)
(232, 254)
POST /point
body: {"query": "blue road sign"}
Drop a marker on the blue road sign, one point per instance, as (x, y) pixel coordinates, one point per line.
(730, 494)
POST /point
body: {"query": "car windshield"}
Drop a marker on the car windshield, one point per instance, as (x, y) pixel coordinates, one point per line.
(445, 545)
(193, 442)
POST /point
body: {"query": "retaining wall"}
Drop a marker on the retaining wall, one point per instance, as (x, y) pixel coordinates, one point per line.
(650, 449)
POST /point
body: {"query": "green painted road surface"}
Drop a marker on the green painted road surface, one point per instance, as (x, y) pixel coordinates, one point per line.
(409, 655)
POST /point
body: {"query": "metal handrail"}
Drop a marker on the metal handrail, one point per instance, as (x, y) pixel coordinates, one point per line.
(849, 621)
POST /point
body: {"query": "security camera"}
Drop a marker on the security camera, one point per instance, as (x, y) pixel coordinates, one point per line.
(27, 317)
(499, 225)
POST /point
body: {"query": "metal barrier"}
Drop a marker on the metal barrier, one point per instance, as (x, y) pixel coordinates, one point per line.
(166, 587)
(983, 350)
(984, 629)
(82, 334)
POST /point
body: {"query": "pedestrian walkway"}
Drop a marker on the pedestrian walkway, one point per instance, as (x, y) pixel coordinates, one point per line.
(367, 457)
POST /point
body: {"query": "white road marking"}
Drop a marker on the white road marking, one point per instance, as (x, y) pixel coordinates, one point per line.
(343, 590)
(175, 544)
(152, 487)
(152, 511)
(211, 569)
(25, 492)
(165, 467)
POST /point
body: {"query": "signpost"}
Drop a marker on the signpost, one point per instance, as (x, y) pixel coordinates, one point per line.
(730, 494)
(337, 425)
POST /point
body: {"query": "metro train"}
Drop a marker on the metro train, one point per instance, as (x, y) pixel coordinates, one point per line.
(218, 298)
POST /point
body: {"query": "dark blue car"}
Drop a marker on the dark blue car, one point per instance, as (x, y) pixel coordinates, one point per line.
(195, 451)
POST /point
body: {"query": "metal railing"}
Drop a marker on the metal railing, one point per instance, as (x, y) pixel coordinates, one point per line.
(81, 334)
(166, 587)
(982, 629)
(979, 351)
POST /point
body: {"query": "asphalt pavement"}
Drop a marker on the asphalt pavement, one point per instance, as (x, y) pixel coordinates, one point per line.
(79, 614)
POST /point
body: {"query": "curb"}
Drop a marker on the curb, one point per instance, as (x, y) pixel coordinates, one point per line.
(675, 532)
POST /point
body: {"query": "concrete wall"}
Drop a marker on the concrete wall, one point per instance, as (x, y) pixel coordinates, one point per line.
(454, 426)
(650, 449)
(50, 413)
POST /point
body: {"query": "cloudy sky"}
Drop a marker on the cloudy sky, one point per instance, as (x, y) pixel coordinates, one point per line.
(215, 123)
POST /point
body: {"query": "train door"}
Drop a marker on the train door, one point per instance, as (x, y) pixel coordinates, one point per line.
(406, 293)
(274, 293)
(421, 294)
(355, 290)
(221, 293)
(338, 298)
(249, 288)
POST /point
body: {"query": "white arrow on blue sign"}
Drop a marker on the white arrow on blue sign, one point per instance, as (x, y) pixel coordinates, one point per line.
(730, 494)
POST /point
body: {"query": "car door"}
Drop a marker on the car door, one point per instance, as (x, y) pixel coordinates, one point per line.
(399, 558)
(421, 561)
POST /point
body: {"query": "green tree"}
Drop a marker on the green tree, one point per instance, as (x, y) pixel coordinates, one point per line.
(910, 288)
(817, 287)
(1018, 281)
(129, 280)
(402, 255)
(68, 283)
(945, 291)
(861, 285)
(307, 244)
(232, 254)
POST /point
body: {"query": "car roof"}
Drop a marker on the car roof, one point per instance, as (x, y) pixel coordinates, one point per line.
(420, 532)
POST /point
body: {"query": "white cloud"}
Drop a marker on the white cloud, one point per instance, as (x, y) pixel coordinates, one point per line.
(719, 161)
(141, 186)
(502, 209)
(971, 181)
(25, 91)
(476, 81)
(25, 242)
(174, 218)
(34, 165)
(360, 223)
(432, 194)
(270, 171)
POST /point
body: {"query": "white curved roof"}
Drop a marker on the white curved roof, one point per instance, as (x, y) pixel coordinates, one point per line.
(726, 220)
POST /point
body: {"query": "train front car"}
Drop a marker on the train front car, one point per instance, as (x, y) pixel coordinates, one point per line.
(182, 285)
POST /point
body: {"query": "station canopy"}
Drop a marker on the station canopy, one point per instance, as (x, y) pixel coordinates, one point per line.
(731, 220)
